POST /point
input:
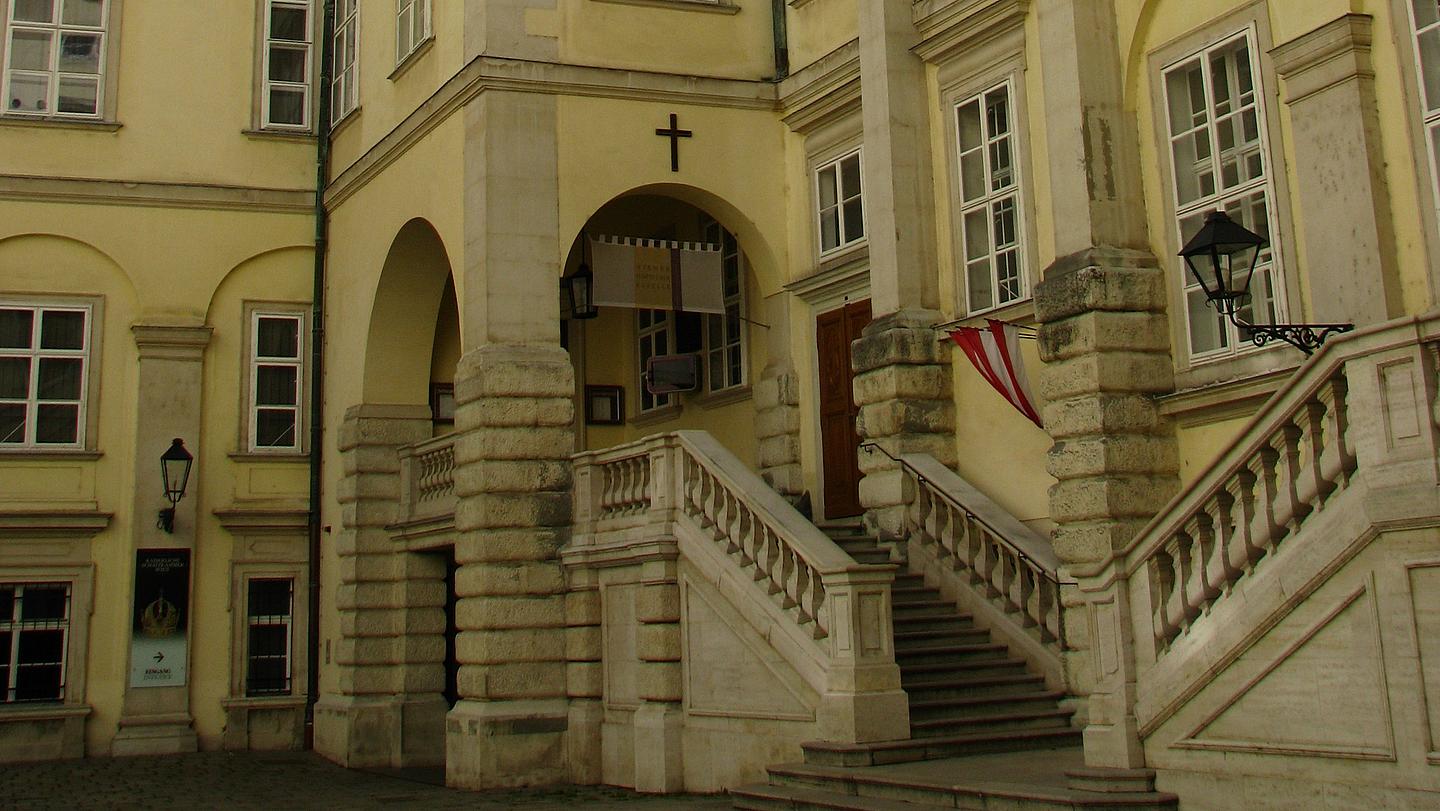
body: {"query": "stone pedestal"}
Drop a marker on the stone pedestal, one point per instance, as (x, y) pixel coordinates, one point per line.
(514, 419)
(902, 386)
(388, 708)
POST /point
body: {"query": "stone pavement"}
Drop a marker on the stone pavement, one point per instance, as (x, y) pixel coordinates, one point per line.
(284, 780)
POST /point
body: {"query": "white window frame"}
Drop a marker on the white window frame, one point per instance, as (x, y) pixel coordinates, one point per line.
(57, 29)
(412, 27)
(254, 360)
(662, 325)
(1429, 108)
(267, 83)
(717, 325)
(35, 354)
(1270, 260)
(253, 620)
(11, 622)
(991, 198)
(345, 67)
(835, 165)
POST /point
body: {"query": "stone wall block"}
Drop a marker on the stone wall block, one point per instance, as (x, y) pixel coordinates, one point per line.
(1087, 541)
(1117, 453)
(517, 371)
(897, 416)
(940, 446)
(366, 622)
(585, 679)
(1099, 279)
(778, 451)
(660, 682)
(1111, 496)
(785, 479)
(1102, 331)
(928, 382)
(514, 412)
(658, 602)
(584, 643)
(658, 642)
(519, 680)
(427, 677)
(1104, 413)
(512, 476)
(512, 510)
(511, 579)
(1107, 372)
(583, 608)
(362, 679)
(511, 645)
(508, 544)
(517, 444)
(777, 422)
(486, 612)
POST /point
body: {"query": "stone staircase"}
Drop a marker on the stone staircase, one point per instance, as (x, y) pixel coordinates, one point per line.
(977, 719)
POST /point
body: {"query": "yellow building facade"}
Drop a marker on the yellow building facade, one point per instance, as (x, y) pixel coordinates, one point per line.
(532, 567)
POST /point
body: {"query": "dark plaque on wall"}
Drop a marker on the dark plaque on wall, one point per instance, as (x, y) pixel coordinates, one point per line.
(161, 615)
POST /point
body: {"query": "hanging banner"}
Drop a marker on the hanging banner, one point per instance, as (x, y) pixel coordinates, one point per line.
(158, 648)
(656, 274)
(995, 353)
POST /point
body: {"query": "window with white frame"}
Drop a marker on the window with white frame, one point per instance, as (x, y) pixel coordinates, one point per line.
(412, 26)
(839, 197)
(44, 359)
(345, 67)
(55, 57)
(269, 636)
(285, 103)
(34, 640)
(725, 334)
(1425, 18)
(276, 381)
(1216, 118)
(990, 212)
(654, 337)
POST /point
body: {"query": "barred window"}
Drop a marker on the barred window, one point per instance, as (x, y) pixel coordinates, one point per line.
(1218, 148)
(44, 355)
(55, 58)
(269, 636)
(990, 200)
(34, 640)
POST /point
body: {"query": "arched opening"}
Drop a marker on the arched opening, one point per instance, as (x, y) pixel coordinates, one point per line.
(715, 331)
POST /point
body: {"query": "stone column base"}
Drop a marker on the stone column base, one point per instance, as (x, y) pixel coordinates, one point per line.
(506, 744)
(381, 731)
(659, 754)
(155, 735)
(864, 718)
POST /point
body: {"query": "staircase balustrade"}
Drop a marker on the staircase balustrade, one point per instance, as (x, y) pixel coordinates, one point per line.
(427, 471)
(1005, 562)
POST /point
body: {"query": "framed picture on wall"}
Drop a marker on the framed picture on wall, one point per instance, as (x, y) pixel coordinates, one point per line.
(604, 405)
(442, 402)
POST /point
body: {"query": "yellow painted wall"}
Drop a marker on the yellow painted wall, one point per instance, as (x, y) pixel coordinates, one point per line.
(669, 39)
(818, 27)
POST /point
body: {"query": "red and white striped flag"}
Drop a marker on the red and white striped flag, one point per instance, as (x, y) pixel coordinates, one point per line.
(996, 354)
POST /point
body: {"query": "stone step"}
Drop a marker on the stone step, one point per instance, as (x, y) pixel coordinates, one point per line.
(1049, 718)
(938, 622)
(1016, 782)
(924, 608)
(981, 706)
(871, 557)
(929, 687)
(956, 636)
(826, 753)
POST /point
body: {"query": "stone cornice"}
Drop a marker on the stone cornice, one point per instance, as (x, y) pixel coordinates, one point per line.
(822, 91)
(519, 75)
(54, 523)
(264, 522)
(1336, 52)
(96, 191)
(949, 26)
(171, 341)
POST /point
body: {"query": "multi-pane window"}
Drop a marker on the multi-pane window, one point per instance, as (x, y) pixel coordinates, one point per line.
(1217, 146)
(275, 381)
(725, 334)
(345, 68)
(286, 100)
(990, 200)
(55, 58)
(34, 637)
(1425, 15)
(269, 636)
(842, 210)
(654, 337)
(412, 26)
(44, 352)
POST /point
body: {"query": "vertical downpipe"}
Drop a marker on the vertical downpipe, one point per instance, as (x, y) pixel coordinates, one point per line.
(317, 376)
(782, 39)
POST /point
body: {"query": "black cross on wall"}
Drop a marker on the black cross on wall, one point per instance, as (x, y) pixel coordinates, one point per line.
(674, 133)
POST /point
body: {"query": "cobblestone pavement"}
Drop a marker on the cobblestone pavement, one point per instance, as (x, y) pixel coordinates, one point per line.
(282, 780)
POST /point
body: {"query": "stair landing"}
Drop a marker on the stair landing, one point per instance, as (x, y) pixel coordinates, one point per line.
(1016, 781)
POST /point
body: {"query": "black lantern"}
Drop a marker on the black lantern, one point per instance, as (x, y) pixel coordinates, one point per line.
(175, 471)
(582, 293)
(1221, 256)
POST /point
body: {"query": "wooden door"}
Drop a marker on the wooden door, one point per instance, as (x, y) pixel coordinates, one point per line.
(839, 443)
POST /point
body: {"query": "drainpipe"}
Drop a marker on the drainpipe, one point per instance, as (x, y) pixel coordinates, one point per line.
(782, 44)
(317, 376)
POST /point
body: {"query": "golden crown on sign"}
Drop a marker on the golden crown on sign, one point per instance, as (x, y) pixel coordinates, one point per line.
(160, 618)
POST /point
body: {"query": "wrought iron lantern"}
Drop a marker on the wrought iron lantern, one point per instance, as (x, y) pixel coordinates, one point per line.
(1221, 256)
(175, 465)
(582, 293)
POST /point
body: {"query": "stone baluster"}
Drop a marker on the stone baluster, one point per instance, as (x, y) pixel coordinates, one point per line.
(1223, 570)
(1200, 591)
(1161, 574)
(1177, 549)
(1266, 524)
(1314, 488)
(1289, 510)
(1338, 460)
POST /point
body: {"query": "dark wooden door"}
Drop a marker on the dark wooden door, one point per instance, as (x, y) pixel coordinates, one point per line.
(839, 443)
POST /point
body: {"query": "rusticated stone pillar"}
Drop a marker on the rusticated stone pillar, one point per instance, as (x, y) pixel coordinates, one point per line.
(388, 708)
(777, 406)
(659, 766)
(584, 677)
(1104, 341)
(902, 386)
(514, 419)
